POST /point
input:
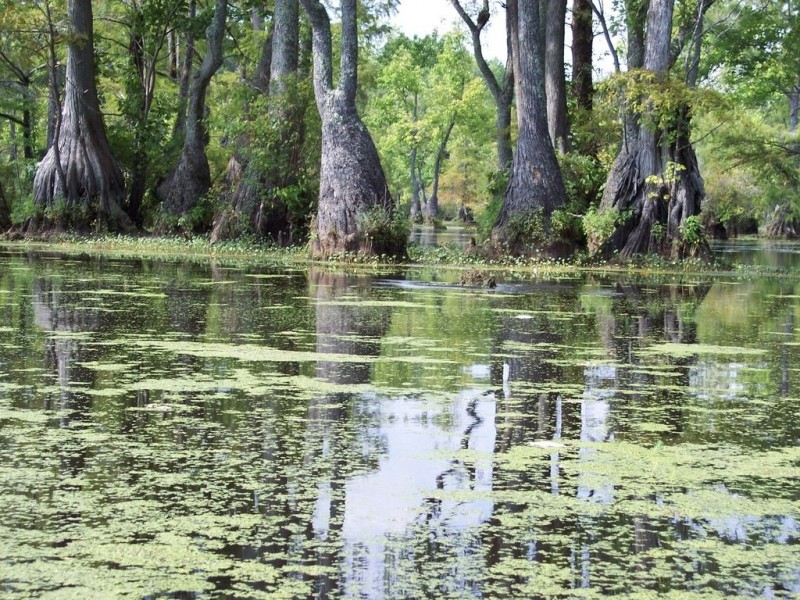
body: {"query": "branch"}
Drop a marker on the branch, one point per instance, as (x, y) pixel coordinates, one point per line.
(464, 16)
(214, 34)
(322, 49)
(12, 118)
(477, 48)
(21, 75)
(348, 71)
(607, 35)
(694, 27)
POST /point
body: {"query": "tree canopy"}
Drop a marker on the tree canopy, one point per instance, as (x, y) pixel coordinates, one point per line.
(208, 115)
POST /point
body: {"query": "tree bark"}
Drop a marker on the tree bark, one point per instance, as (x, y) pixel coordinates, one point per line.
(172, 46)
(55, 85)
(502, 92)
(512, 32)
(242, 183)
(535, 187)
(655, 184)
(416, 207)
(5, 210)
(27, 134)
(185, 77)
(352, 181)
(582, 41)
(145, 72)
(555, 78)
(79, 169)
(191, 177)
(253, 198)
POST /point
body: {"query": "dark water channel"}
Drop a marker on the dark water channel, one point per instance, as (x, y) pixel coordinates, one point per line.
(202, 430)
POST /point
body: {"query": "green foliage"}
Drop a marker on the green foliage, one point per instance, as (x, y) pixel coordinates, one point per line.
(750, 167)
(531, 229)
(584, 178)
(692, 230)
(659, 232)
(488, 217)
(599, 224)
(661, 183)
(200, 217)
(566, 224)
(497, 183)
(387, 234)
(22, 209)
(438, 224)
(287, 156)
(730, 196)
(421, 86)
(661, 102)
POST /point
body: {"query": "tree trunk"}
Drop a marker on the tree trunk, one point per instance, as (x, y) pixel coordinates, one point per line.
(555, 82)
(243, 181)
(416, 207)
(5, 210)
(254, 198)
(432, 211)
(145, 72)
(782, 224)
(256, 21)
(582, 40)
(55, 85)
(186, 76)
(636, 17)
(655, 184)
(12, 138)
(535, 188)
(355, 207)
(502, 93)
(422, 189)
(27, 133)
(512, 32)
(78, 169)
(191, 177)
(172, 52)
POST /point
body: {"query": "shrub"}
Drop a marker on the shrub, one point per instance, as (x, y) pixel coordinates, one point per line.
(584, 177)
(488, 217)
(599, 225)
(692, 230)
(385, 233)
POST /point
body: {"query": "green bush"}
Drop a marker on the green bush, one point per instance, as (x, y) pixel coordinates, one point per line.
(385, 233)
(692, 230)
(22, 209)
(584, 177)
(528, 230)
(566, 224)
(497, 183)
(488, 217)
(599, 225)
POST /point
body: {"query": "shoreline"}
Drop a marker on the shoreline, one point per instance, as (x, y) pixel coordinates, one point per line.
(439, 258)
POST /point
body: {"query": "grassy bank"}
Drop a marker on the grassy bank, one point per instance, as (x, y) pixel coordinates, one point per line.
(253, 253)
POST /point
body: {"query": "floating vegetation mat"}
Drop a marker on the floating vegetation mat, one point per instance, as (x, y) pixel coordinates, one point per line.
(181, 430)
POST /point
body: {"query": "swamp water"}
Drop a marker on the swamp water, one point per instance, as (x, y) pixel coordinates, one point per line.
(208, 431)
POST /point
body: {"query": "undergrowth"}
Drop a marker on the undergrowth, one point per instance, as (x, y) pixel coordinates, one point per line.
(251, 250)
